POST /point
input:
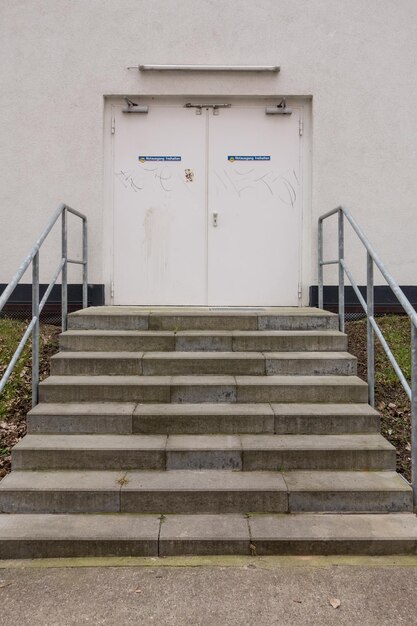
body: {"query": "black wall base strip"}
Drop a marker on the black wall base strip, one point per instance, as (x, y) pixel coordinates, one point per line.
(20, 302)
(21, 299)
(385, 300)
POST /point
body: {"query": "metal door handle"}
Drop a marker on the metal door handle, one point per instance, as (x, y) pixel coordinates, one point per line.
(215, 218)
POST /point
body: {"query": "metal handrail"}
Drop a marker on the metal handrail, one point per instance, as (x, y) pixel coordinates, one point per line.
(372, 326)
(37, 306)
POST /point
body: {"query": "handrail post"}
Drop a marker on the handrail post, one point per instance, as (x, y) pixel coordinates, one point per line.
(320, 265)
(414, 412)
(35, 331)
(64, 281)
(372, 327)
(370, 332)
(341, 271)
(85, 266)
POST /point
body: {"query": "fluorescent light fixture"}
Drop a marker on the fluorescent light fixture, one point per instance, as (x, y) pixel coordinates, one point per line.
(208, 68)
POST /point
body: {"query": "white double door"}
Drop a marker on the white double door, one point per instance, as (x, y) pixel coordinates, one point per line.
(206, 207)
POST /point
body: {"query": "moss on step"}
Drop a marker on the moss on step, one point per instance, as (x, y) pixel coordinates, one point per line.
(264, 562)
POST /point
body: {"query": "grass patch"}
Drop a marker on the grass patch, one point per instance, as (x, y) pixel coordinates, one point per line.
(16, 399)
(10, 335)
(397, 332)
(390, 398)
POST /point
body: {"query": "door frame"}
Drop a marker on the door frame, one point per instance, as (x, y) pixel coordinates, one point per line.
(303, 104)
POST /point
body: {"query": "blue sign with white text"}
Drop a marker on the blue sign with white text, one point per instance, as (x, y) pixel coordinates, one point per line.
(249, 158)
(143, 159)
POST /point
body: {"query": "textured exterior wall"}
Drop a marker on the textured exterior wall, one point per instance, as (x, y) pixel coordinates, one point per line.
(356, 59)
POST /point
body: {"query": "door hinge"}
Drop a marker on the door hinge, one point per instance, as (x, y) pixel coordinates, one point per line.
(300, 291)
(300, 126)
(112, 289)
(113, 125)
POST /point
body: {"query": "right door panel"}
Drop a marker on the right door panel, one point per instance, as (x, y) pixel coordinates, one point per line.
(254, 244)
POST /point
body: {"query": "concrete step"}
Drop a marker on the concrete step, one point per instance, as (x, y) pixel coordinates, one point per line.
(318, 452)
(302, 534)
(286, 341)
(333, 534)
(194, 452)
(300, 389)
(61, 492)
(184, 363)
(127, 418)
(144, 492)
(35, 536)
(254, 418)
(203, 341)
(279, 452)
(348, 491)
(310, 363)
(198, 389)
(116, 340)
(201, 318)
(209, 491)
(324, 418)
(81, 418)
(228, 418)
(90, 452)
(97, 364)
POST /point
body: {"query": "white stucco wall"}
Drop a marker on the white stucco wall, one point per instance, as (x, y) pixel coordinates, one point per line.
(357, 60)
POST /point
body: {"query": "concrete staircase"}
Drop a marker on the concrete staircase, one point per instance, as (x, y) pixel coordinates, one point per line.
(169, 431)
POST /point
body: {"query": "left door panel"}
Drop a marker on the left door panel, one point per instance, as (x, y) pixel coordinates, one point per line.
(159, 219)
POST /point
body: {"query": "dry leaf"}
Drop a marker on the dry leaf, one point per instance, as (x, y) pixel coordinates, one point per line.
(335, 602)
(138, 590)
(123, 480)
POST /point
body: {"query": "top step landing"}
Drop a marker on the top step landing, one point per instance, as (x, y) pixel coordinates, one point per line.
(202, 318)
